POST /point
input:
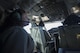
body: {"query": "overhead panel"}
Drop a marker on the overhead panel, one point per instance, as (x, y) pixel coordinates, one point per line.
(55, 10)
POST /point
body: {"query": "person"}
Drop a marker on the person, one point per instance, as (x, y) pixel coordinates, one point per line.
(13, 38)
(72, 19)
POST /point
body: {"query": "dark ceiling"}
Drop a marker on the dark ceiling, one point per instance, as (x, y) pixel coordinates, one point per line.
(8, 4)
(54, 9)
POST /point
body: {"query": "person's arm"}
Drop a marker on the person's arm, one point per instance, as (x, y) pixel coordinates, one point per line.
(18, 41)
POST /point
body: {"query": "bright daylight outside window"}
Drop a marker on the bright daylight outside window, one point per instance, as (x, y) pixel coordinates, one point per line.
(47, 25)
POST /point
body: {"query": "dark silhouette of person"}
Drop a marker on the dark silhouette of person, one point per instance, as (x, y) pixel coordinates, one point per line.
(13, 38)
(72, 19)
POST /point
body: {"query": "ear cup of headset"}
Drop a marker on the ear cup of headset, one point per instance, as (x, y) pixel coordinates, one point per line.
(13, 18)
(17, 16)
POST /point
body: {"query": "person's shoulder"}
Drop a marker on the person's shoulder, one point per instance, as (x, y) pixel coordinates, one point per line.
(16, 27)
(15, 30)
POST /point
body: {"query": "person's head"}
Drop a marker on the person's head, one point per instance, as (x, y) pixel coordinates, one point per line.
(20, 12)
(72, 19)
(18, 17)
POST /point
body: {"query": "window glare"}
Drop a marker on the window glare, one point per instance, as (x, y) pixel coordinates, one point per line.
(47, 25)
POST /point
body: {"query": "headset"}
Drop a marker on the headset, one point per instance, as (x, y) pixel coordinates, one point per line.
(16, 15)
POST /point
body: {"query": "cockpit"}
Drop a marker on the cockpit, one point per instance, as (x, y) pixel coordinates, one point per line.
(46, 26)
